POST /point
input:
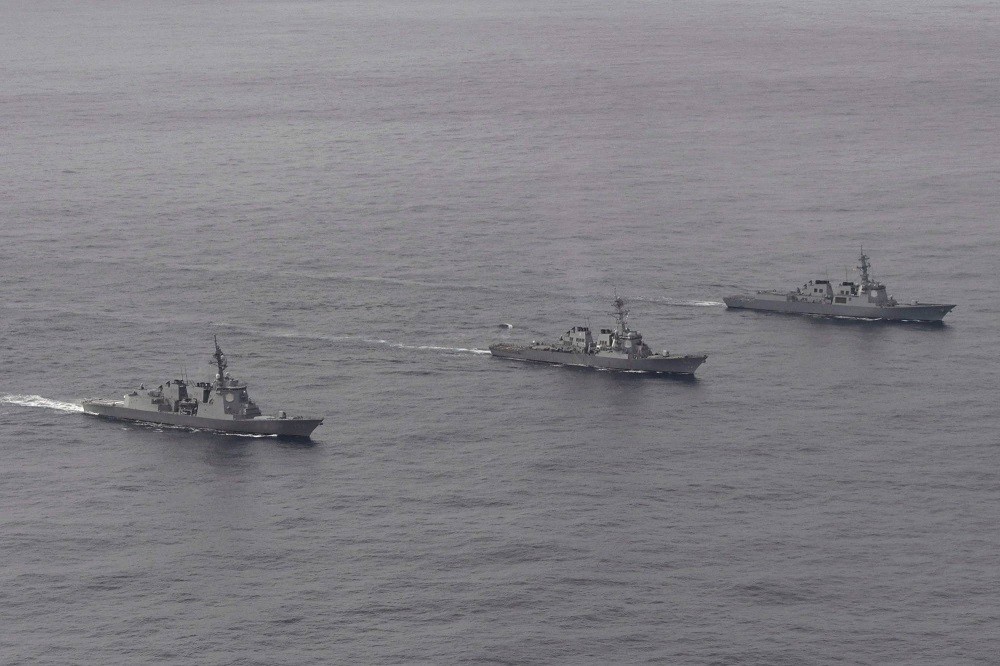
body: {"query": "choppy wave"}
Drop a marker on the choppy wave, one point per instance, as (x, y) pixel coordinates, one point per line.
(39, 401)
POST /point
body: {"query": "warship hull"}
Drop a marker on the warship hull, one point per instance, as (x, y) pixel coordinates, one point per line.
(677, 365)
(917, 312)
(289, 427)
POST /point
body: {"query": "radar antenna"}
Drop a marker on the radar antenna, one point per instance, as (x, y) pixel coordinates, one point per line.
(866, 279)
(220, 362)
(620, 314)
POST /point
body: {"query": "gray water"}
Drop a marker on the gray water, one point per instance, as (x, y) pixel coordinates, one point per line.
(353, 195)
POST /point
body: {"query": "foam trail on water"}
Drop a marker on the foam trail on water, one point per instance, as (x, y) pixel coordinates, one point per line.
(450, 349)
(371, 341)
(160, 427)
(39, 401)
(310, 336)
(692, 304)
(681, 303)
(462, 350)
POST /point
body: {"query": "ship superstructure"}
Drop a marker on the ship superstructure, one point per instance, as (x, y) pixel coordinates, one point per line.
(618, 348)
(223, 404)
(866, 299)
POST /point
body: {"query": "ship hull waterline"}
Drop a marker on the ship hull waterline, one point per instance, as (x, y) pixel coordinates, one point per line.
(930, 312)
(674, 365)
(297, 428)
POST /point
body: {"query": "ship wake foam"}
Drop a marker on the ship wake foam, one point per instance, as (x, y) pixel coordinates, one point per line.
(39, 401)
(160, 427)
(375, 341)
(693, 304)
(681, 303)
(456, 350)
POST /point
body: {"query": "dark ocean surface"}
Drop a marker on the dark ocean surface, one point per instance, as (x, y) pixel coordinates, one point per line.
(354, 195)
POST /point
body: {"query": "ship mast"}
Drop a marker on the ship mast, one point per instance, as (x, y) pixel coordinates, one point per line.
(866, 281)
(220, 362)
(620, 314)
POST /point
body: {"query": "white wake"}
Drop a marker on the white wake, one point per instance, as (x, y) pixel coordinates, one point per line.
(698, 304)
(459, 350)
(39, 401)
(677, 302)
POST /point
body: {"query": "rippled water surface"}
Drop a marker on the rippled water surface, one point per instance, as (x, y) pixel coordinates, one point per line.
(356, 196)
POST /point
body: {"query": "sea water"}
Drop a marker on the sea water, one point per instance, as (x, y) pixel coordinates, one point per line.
(355, 196)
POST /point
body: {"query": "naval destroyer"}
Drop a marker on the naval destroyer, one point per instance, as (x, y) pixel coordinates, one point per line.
(620, 348)
(221, 405)
(867, 300)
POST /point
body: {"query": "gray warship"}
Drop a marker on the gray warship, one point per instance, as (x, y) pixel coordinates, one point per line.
(620, 348)
(867, 300)
(222, 405)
